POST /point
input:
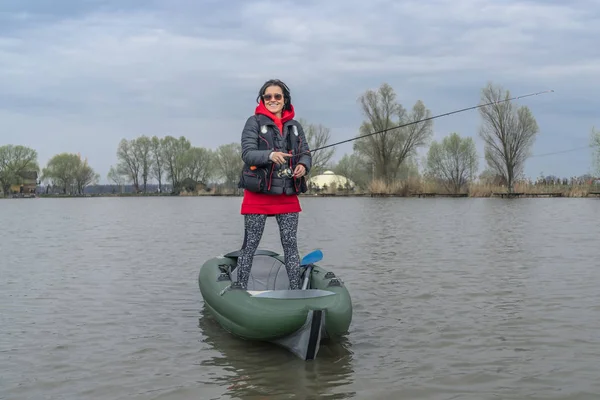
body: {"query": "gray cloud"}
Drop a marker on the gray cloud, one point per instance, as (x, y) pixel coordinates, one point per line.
(79, 76)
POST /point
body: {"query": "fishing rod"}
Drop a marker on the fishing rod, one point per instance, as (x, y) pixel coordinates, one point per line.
(423, 120)
(288, 172)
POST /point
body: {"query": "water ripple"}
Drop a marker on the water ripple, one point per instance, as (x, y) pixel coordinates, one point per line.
(453, 299)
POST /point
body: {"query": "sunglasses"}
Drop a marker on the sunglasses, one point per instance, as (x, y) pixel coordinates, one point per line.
(268, 97)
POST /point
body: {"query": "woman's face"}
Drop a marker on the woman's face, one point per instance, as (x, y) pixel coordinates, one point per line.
(273, 99)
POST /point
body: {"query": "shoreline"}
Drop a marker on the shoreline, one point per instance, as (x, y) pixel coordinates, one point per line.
(590, 194)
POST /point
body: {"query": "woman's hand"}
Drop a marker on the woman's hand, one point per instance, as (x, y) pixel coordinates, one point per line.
(278, 157)
(299, 171)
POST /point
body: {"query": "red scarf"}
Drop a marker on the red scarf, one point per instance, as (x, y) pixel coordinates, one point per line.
(286, 115)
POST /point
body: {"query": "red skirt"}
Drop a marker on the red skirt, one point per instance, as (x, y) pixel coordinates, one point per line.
(270, 204)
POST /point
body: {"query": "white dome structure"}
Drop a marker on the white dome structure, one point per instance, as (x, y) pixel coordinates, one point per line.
(328, 178)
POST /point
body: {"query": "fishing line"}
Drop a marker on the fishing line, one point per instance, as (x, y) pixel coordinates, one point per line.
(591, 146)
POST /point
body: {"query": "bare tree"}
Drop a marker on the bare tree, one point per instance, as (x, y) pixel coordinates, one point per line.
(388, 150)
(595, 143)
(318, 136)
(128, 164)
(508, 133)
(142, 151)
(453, 162)
(116, 177)
(157, 166)
(85, 176)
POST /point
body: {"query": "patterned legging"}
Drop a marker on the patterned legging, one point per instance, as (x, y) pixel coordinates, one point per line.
(254, 227)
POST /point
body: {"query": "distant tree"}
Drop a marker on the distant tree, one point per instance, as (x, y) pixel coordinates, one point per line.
(318, 136)
(508, 133)
(15, 161)
(174, 157)
(229, 163)
(595, 143)
(453, 162)
(70, 173)
(388, 150)
(85, 176)
(409, 168)
(198, 164)
(353, 167)
(142, 152)
(128, 163)
(61, 170)
(157, 167)
(491, 177)
(114, 176)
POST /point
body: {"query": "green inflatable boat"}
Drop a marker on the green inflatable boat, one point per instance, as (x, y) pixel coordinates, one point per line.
(269, 311)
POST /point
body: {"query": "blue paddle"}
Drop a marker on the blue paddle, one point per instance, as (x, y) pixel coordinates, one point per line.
(310, 258)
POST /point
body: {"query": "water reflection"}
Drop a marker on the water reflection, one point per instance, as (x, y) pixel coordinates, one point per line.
(263, 369)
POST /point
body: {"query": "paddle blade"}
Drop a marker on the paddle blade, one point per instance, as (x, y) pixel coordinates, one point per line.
(312, 257)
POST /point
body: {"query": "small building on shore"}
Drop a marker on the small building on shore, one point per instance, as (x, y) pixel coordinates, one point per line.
(28, 183)
(329, 180)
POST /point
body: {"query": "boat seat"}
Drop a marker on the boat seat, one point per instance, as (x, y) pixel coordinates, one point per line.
(267, 273)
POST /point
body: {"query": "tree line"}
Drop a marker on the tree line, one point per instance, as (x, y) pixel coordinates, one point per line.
(67, 172)
(167, 160)
(182, 165)
(507, 130)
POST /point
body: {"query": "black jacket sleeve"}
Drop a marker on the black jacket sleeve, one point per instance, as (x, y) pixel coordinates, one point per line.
(250, 153)
(306, 158)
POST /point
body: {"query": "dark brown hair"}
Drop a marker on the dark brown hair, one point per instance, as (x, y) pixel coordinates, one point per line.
(287, 98)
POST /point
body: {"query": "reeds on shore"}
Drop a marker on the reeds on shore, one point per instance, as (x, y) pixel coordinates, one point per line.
(419, 187)
(401, 188)
(416, 186)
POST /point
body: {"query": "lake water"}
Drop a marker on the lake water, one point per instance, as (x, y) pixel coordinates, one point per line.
(453, 299)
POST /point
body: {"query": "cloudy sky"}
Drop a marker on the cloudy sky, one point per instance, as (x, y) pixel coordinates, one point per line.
(80, 75)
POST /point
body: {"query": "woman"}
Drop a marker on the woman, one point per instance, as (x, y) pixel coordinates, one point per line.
(276, 160)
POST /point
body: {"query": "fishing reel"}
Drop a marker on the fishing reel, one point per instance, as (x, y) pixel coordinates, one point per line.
(285, 173)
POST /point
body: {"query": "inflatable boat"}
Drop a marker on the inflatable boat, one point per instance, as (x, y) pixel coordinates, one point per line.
(268, 310)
